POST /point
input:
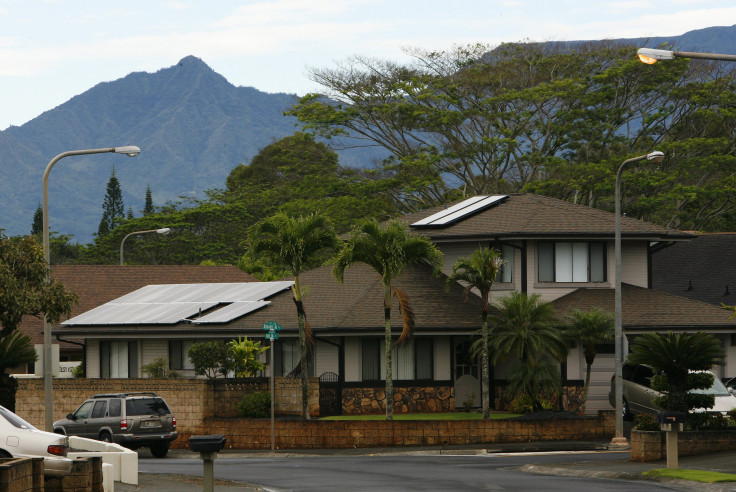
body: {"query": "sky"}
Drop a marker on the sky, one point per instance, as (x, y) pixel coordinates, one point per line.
(52, 50)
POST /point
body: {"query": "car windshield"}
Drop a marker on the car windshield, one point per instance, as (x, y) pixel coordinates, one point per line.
(146, 406)
(14, 419)
(717, 389)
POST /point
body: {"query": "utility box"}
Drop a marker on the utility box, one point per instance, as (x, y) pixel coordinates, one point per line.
(207, 444)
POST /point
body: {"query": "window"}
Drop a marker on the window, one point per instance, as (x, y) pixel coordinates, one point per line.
(507, 269)
(287, 356)
(115, 408)
(118, 359)
(423, 351)
(179, 355)
(371, 360)
(99, 409)
(567, 261)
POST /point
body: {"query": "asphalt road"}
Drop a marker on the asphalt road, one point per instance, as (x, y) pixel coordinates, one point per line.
(471, 472)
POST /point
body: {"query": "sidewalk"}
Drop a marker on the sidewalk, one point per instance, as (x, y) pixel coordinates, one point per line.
(622, 469)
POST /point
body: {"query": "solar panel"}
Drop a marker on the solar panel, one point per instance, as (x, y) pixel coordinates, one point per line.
(172, 303)
(460, 211)
(231, 311)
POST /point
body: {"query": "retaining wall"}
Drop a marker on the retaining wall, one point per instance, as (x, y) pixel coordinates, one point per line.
(652, 445)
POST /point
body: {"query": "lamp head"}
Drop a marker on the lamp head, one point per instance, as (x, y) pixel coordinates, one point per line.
(650, 56)
(655, 156)
(164, 231)
(129, 150)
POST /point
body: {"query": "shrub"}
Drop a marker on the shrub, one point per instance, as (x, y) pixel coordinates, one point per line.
(522, 403)
(159, 369)
(646, 422)
(255, 405)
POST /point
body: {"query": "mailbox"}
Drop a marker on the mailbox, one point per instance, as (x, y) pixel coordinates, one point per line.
(207, 444)
(671, 417)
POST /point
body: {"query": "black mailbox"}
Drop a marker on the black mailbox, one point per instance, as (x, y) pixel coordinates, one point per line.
(671, 417)
(207, 444)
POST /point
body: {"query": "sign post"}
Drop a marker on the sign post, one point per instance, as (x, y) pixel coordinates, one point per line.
(272, 330)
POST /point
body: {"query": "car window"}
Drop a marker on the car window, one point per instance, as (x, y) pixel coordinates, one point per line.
(146, 406)
(14, 419)
(99, 409)
(643, 375)
(716, 389)
(114, 408)
(84, 410)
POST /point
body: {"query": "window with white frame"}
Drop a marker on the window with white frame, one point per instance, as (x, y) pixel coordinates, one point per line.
(507, 269)
(571, 261)
(286, 357)
(118, 359)
(410, 361)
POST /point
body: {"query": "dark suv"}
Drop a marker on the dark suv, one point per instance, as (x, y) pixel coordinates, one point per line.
(133, 420)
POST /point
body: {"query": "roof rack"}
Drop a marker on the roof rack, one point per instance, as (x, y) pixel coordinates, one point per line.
(122, 395)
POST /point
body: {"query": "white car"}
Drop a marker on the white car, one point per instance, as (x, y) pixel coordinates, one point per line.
(19, 439)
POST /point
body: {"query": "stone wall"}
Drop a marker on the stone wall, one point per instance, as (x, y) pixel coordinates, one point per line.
(360, 401)
(21, 474)
(255, 434)
(652, 445)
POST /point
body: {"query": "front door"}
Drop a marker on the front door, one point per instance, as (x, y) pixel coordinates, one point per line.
(467, 381)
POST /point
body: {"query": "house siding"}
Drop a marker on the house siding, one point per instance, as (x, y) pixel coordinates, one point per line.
(150, 350)
(93, 359)
(327, 357)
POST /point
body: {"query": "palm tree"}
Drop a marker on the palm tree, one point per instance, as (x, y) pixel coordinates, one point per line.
(590, 329)
(388, 251)
(295, 244)
(479, 272)
(526, 328)
(15, 349)
(675, 355)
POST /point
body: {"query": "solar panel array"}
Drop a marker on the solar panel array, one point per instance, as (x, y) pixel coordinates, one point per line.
(460, 211)
(173, 303)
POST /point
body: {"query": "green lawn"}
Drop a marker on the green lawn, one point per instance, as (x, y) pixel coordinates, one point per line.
(694, 475)
(424, 416)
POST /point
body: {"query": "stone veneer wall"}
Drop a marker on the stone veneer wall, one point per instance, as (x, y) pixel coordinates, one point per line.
(361, 401)
(255, 434)
(652, 445)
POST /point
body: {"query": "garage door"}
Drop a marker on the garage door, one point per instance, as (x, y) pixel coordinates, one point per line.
(600, 383)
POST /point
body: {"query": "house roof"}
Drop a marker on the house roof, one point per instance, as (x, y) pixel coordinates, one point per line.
(703, 269)
(646, 309)
(353, 307)
(98, 284)
(527, 215)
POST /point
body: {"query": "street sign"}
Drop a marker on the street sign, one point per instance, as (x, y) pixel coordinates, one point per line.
(272, 335)
(271, 326)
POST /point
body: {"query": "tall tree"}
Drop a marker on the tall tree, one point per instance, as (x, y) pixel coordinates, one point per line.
(526, 328)
(295, 244)
(590, 329)
(37, 226)
(148, 207)
(478, 272)
(24, 290)
(674, 356)
(113, 208)
(388, 250)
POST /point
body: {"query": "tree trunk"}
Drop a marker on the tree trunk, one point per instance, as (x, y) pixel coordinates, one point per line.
(389, 373)
(485, 372)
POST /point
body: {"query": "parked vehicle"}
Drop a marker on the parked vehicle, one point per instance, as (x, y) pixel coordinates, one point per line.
(638, 396)
(19, 439)
(133, 420)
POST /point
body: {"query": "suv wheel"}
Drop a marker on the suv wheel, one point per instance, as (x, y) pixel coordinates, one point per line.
(160, 450)
(105, 437)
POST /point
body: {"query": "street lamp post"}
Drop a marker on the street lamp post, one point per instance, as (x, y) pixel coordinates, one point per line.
(651, 56)
(619, 439)
(165, 230)
(129, 150)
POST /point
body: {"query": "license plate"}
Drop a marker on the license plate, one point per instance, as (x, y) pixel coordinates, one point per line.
(150, 423)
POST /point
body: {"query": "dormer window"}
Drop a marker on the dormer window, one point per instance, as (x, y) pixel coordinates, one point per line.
(571, 261)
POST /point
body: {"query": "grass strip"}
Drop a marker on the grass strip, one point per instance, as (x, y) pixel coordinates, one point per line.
(703, 476)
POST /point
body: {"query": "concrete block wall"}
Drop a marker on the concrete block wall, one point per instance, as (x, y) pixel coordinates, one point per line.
(21, 474)
(652, 445)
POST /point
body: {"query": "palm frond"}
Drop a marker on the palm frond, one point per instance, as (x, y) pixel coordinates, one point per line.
(408, 315)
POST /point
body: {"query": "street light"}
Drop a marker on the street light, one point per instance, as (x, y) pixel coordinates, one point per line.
(130, 151)
(619, 439)
(164, 231)
(650, 56)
